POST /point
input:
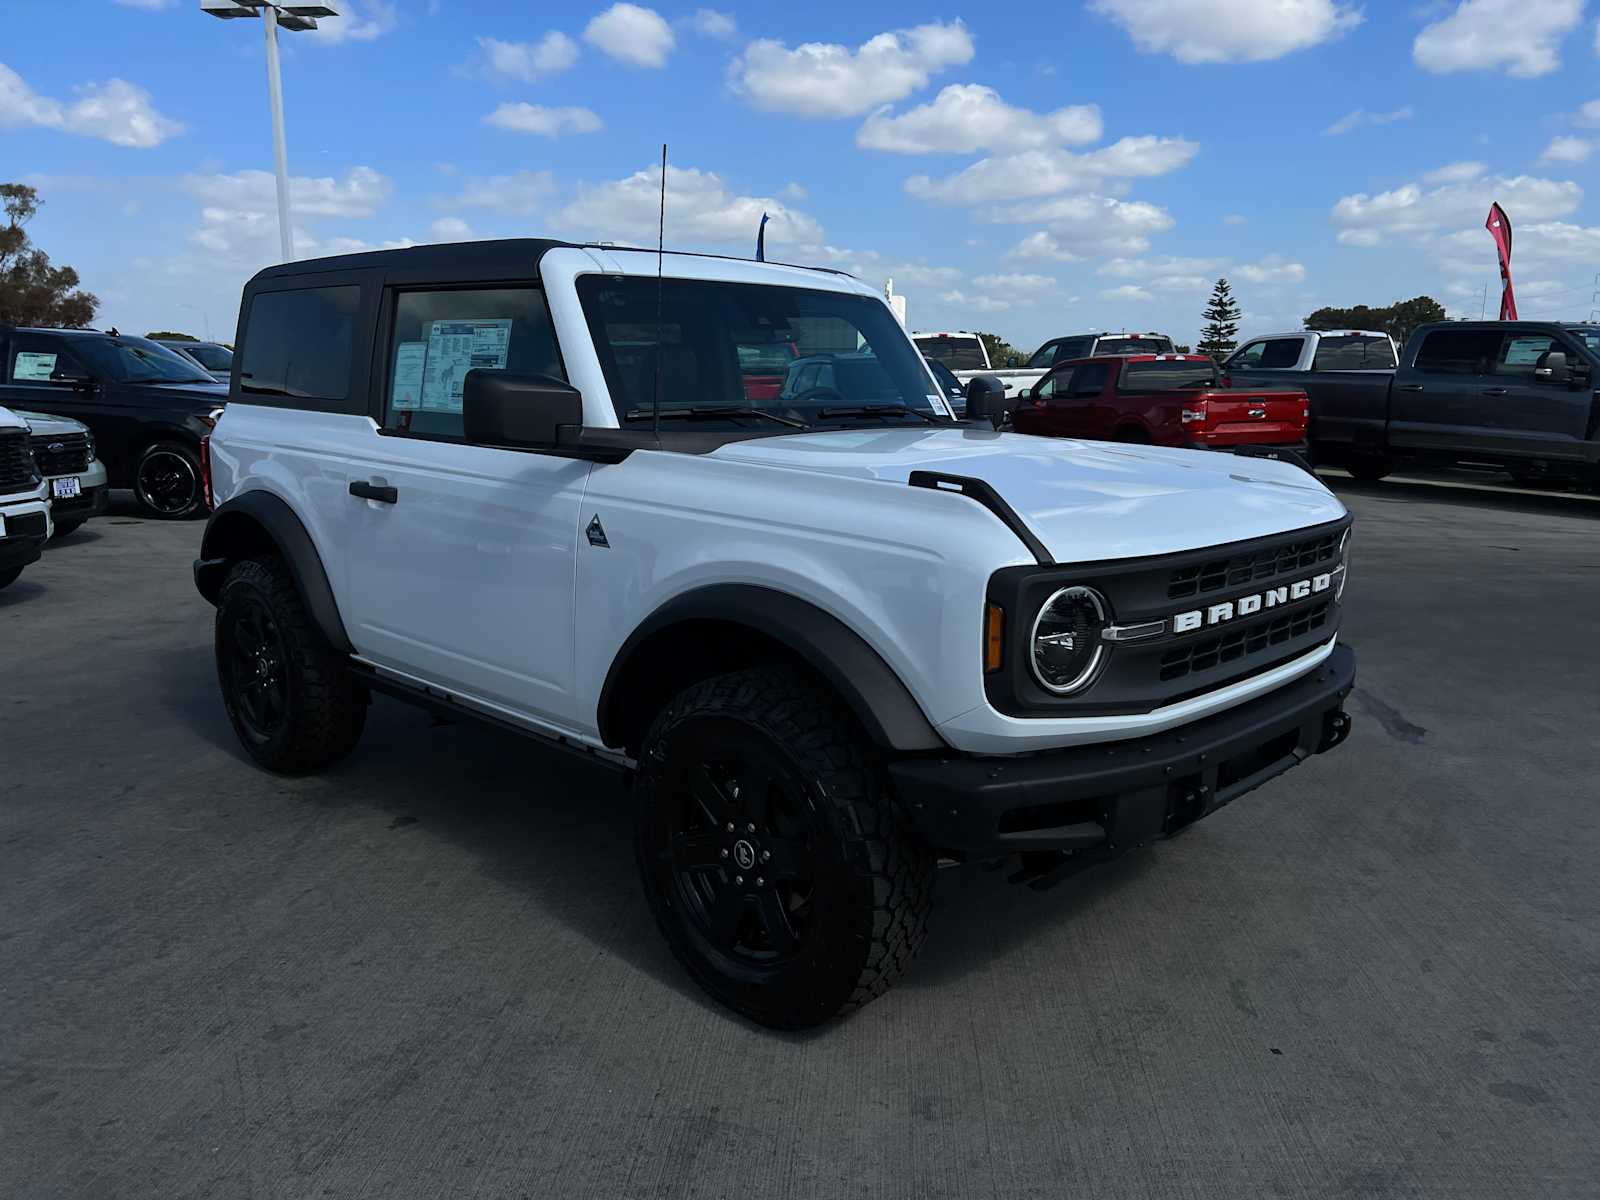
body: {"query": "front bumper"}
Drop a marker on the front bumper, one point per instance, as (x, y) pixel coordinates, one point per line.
(90, 502)
(1090, 803)
(25, 536)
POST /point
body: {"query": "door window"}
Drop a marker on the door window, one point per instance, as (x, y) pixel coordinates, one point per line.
(439, 336)
(1520, 353)
(1458, 351)
(1089, 380)
(1043, 356)
(1057, 385)
(299, 344)
(42, 360)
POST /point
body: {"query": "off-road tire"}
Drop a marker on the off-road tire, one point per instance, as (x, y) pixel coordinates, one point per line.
(9, 576)
(1369, 468)
(874, 875)
(325, 706)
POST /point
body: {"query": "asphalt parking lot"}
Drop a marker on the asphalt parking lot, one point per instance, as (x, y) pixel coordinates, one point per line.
(430, 973)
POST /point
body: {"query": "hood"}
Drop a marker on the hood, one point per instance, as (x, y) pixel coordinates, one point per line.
(11, 420)
(45, 423)
(1086, 501)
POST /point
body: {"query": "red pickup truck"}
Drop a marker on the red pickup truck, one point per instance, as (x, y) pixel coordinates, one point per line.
(1162, 400)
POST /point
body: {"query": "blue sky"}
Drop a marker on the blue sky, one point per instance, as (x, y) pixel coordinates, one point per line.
(1032, 168)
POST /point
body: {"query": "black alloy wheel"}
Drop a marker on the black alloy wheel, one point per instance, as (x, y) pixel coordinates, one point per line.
(737, 844)
(254, 664)
(167, 482)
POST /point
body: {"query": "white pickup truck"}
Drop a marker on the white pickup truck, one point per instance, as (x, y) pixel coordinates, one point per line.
(25, 524)
(1307, 350)
(965, 354)
(831, 635)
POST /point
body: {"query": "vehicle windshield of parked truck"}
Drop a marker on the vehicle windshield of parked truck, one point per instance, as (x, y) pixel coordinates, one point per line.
(1133, 345)
(956, 352)
(131, 360)
(852, 355)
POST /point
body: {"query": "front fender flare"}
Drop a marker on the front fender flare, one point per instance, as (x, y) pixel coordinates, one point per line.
(868, 685)
(255, 521)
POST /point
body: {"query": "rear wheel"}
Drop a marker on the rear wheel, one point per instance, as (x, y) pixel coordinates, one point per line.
(166, 481)
(781, 871)
(1369, 468)
(291, 697)
(1131, 435)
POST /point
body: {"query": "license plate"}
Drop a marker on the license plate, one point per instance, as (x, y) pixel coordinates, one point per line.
(65, 489)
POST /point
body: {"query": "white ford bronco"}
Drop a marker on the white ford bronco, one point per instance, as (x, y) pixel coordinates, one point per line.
(833, 636)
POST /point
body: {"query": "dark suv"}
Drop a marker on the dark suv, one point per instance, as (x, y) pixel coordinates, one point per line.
(147, 407)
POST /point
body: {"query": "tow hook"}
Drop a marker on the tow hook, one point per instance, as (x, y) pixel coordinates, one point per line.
(1335, 728)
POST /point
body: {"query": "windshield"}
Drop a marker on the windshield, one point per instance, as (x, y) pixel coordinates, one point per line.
(1134, 345)
(135, 360)
(791, 352)
(1167, 376)
(957, 353)
(1590, 337)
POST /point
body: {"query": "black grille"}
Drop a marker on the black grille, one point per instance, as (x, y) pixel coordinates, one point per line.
(71, 459)
(16, 464)
(1253, 567)
(1204, 654)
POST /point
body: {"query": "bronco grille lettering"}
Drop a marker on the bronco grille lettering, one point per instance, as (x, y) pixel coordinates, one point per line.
(1231, 610)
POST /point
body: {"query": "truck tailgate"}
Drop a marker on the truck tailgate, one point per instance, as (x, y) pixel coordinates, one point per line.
(1253, 418)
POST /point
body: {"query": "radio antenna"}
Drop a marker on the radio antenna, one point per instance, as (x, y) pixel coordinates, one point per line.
(661, 243)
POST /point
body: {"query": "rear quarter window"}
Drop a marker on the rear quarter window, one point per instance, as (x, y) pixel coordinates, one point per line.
(299, 349)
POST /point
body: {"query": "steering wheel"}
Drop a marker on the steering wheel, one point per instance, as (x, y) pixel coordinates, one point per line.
(821, 393)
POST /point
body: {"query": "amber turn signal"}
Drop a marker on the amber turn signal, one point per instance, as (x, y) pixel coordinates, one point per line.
(994, 626)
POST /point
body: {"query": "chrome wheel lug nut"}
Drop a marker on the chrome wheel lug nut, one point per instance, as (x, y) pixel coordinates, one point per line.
(760, 882)
(739, 879)
(730, 826)
(724, 854)
(766, 856)
(750, 828)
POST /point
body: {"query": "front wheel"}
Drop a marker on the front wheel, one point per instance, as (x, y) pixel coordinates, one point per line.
(781, 871)
(166, 481)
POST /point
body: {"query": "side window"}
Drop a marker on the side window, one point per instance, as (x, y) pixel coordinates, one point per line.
(1519, 353)
(1071, 348)
(299, 344)
(1249, 357)
(1458, 351)
(41, 360)
(1089, 380)
(439, 336)
(1055, 386)
(1280, 353)
(1043, 356)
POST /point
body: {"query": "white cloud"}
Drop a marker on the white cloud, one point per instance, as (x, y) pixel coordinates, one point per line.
(1015, 283)
(529, 61)
(1542, 246)
(1215, 31)
(1523, 36)
(1360, 118)
(547, 122)
(450, 229)
(824, 79)
(358, 21)
(1459, 172)
(1155, 268)
(976, 303)
(1079, 227)
(1235, 219)
(359, 194)
(1589, 114)
(1127, 292)
(793, 191)
(701, 211)
(1567, 150)
(115, 111)
(637, 36)
(518, 194)
(967, 116)
(1046, 172)
(1270, 270)
(1415, 211)
(708, 22)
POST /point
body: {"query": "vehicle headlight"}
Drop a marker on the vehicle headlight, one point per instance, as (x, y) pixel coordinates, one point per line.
(88, 445)
(1066, 646)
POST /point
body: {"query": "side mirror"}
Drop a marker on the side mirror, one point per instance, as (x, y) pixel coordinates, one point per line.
(1552, 367)
(500, 409)
(986, 400)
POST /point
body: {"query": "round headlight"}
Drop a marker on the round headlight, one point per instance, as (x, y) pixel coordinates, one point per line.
(1066, 642)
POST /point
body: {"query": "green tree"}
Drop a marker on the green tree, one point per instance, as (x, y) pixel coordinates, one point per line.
(1001, 352)
(1399, 320)
(32, 292)
(167, 335)
(1218, 337)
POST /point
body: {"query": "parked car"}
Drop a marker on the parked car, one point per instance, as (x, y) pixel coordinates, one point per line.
(833, 639)
(73, 474)
(24, 502)
(213, 358)
(1521, 395)
(1347, 350)
(146, 407)
(967, 356)
(1162, 400)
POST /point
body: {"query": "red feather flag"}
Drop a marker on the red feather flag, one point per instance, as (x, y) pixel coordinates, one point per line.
(1499, 227)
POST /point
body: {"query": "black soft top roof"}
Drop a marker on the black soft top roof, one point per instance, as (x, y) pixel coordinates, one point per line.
(456, 256)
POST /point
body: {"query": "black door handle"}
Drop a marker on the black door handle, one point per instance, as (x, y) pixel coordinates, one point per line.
(1494, 391)
(1408, 387)
(373, 491)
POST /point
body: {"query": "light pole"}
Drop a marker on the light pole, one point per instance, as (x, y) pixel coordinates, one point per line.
(275, 16)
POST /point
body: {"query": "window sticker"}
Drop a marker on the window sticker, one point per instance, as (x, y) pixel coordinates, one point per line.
(409, 360)
(33, 366)
(456, 347)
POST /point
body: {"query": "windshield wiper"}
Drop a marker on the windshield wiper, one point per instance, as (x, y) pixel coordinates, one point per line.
(882, 410)
(712, 413)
